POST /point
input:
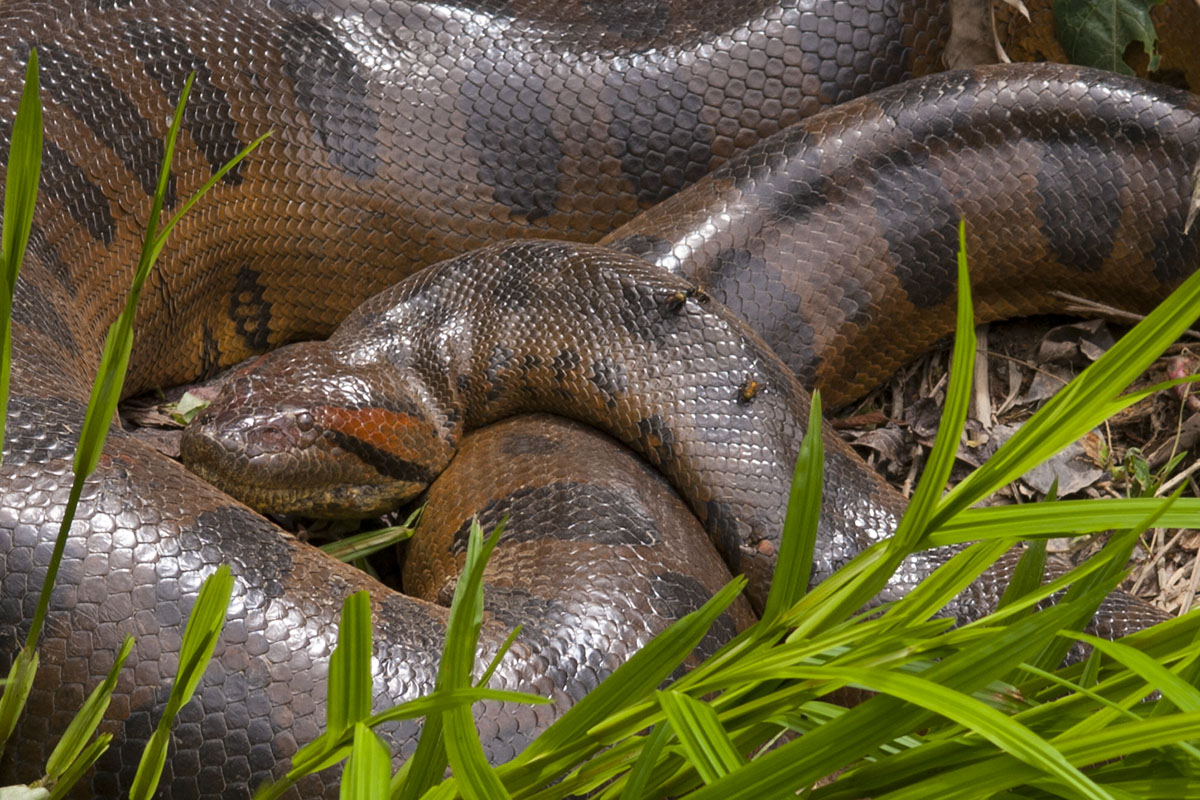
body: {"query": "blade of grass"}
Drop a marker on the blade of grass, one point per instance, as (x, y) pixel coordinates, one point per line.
(927, 496)
(476, 779)
(639, 776)
(199, 638)
(793, 567)
(1084, 403)
(1007, 734)
(20, 196)
(699, 730)
(368, 768)
(74, 740)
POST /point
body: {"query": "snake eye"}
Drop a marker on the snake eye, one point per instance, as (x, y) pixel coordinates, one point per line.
(304, 421)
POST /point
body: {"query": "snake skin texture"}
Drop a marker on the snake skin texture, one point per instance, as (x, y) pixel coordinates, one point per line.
(402, 134)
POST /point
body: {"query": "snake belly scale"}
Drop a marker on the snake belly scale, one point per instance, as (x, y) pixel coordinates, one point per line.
(405, 133)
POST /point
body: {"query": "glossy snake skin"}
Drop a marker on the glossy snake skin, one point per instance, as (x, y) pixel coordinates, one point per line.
(404, 133)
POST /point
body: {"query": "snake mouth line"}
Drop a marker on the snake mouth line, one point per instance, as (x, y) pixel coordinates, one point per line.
(333, 501)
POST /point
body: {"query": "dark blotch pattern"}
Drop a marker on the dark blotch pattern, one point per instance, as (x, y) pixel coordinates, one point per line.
(744, 282)
(723, 528)
(208, 117)
(610, 377)
(508, 126)
(643, 245)
(646, 312)
(1176, 253)
(274, 554)
(656, 440)
(681, 595)
(498, 362)
(565, 363)
(582, 512)
(109, 114)
(49, 256)
(922, 237)
(36, 310)
(804, 188)
(325, 76)
(66, 183)
(210, 351)
(657, 133)
(249, 309)
(1080, 215)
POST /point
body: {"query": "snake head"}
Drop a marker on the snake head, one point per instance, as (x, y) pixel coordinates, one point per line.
(302, 432)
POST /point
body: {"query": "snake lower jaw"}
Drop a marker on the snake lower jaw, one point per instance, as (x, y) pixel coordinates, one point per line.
(335, 486)
(331, 501)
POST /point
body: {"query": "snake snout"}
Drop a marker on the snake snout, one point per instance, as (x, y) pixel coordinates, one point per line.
(317, 439)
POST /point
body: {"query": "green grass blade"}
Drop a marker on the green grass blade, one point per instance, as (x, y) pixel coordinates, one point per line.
(947, 582)
(643, 768)
(74, 740)
(199, 638)
(633, 680)
(1185, 696)
(793, 567)
(501, 652)
(80, 765)
(16, 691)
(882, 719)
(1085, 402)
(706, 743)
(1027, 575)
(1004, 772)
(349, 696)
(477, 780)
(1001, 730)
(932, 484)
(1062, 517)
(361, 545)
(368, 769)
(20, 197)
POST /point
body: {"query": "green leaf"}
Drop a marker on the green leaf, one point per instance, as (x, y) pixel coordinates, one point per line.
(20, 197)
(1007, 734)
(199, 638)
(368, 769)
(1095, 33)
(188, 407)
(79, 767)
(361, 545)
(349, 697)
(1027, 575)
(1061, 518)
(699, 730)
(932, 484)
(16, 691)
(643, 768)
(882, 719)
(633, 680)
(477, 780)
(1185, 696)
(793, 567)
(73, 742)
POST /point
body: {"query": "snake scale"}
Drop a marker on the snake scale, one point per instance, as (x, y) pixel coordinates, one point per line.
(405, 133)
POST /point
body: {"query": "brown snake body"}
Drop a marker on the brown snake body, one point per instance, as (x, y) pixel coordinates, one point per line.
(405, 133)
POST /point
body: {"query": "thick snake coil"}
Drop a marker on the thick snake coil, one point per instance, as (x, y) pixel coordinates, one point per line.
(404, 133)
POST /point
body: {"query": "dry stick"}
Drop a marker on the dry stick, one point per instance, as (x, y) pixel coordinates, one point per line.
(1085, 307)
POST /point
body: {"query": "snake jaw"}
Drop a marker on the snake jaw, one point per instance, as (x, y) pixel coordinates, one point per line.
(346, 443)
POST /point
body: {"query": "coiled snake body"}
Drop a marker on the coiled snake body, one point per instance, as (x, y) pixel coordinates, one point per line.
(405, 133)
